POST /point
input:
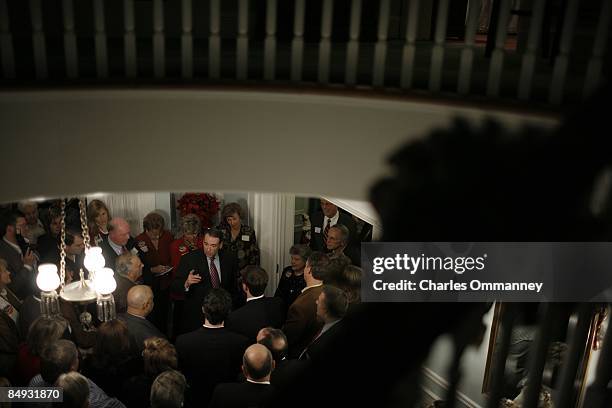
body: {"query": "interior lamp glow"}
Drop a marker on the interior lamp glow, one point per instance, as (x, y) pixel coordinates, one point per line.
(47, 279)
(99, 284)
(104, 282)
(94, 260)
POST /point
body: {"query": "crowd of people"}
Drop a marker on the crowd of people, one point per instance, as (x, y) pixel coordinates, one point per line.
(193, 327)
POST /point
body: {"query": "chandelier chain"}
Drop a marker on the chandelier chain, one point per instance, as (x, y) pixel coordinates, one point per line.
(84, 227)
(63, 244)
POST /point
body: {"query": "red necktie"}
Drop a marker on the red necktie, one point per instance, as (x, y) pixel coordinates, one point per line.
(214, 275)
(326, 231)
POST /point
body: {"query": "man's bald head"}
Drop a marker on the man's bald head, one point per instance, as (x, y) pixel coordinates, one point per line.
(257, 363)
(275, 340)
(263, 333)
(119, 231)
(140, 300)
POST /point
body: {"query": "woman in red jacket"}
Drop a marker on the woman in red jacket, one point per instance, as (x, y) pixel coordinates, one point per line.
(191, 240)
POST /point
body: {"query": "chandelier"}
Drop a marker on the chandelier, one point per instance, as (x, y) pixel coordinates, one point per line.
(98, 286)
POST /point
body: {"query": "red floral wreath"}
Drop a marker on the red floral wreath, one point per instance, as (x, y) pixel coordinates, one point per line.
(204, 205)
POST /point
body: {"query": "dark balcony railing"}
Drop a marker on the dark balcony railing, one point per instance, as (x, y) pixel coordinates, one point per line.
(389, 45)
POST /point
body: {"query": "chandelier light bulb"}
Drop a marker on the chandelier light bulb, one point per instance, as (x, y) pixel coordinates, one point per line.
(93, 259)
(104, 282)
(47, 279)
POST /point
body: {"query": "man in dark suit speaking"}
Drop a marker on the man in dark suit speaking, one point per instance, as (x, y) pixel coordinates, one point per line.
(198, 272)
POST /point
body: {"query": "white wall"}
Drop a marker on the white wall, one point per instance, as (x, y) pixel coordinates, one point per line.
(164, 207)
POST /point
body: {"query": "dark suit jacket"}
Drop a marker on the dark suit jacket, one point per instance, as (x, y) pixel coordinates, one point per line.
(302, 324)
(120, 293)
(54, 257)
(208, 357)
(9, 340)
(316, 238)
(240, 395)
(110, 256)
(196, 260)
(23, 280)
(325, 342)
(71, 311)
(287, 372)
(30, 311)
(354, 253)
(46, 245)
(255, 315)
(139, 330)
(137, 391)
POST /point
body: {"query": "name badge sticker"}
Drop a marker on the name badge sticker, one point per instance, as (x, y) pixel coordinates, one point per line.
(246, 238)
(317, 230)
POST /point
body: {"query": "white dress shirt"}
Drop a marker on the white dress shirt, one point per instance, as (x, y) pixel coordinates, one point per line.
(334, 220)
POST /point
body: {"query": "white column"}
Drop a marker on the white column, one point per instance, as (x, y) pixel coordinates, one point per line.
(242, 42)
(352, 48)
(325, 43)
(273, 218)
(129, 39)
(70, 44)
(594, 69)
(186, 40)
(437, 52)
(467, 54)
(159, 40)
(6, 43)
(557, 85)
(270, 42)
(497, 58)
(214, 40)
(38, 39)
(409, 50)
(380, 50)
(297, 45)
(530, 58)
(100, 39)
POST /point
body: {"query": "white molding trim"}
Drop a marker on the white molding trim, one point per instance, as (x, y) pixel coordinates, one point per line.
(429, 376)
(361, 209)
